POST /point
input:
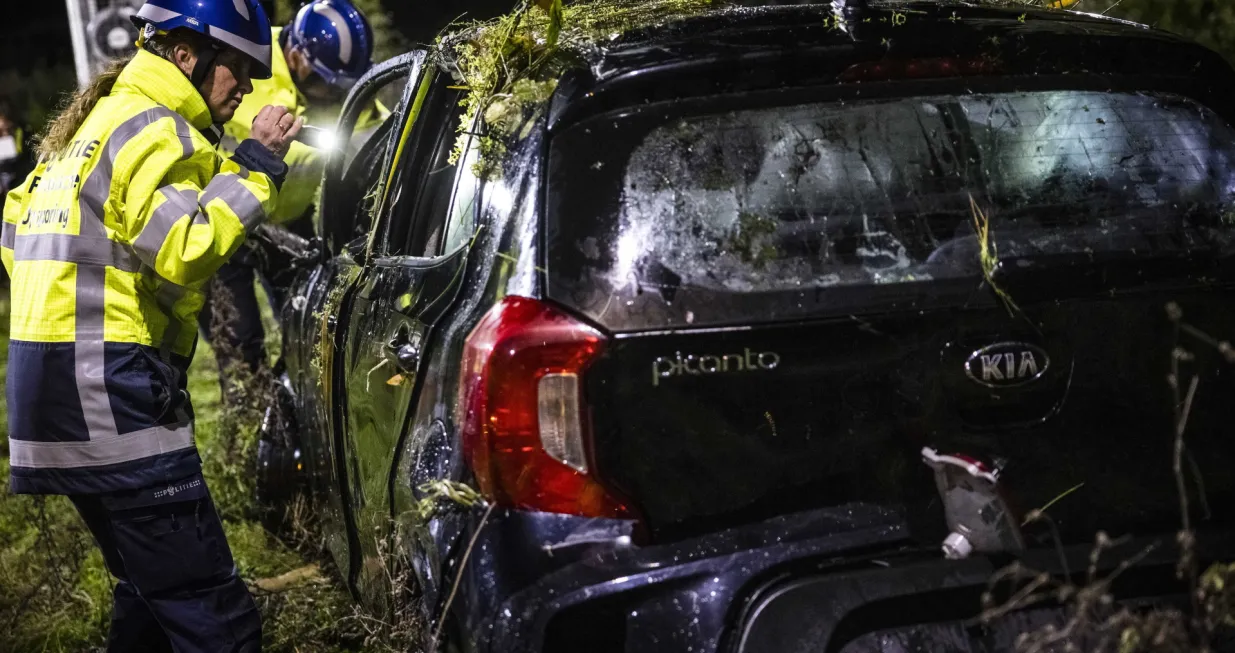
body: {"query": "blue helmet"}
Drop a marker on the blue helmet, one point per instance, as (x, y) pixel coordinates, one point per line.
(336, 38)
(240, 24)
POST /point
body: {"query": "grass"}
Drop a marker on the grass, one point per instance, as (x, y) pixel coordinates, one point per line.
(55, 593)
(510, 65)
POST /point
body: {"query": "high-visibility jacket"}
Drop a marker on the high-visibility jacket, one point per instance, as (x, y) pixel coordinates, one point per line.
(305, 164)
(108, 244)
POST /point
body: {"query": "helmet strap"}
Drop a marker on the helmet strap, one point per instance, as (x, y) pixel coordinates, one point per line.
(205, 61)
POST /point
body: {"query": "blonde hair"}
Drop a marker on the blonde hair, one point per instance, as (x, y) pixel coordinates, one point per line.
(61, 129)
(77, 108)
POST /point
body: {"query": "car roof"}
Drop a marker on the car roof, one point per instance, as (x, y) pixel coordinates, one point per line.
(1027, 40)
(614, 55)
(753, 26)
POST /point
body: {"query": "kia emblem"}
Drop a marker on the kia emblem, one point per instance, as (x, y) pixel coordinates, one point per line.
(1007, 364)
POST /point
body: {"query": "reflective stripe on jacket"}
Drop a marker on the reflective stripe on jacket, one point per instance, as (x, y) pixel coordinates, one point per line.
(108, 244)
(305, 164)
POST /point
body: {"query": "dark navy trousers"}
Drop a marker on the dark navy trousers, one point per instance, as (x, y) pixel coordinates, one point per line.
(177, 587)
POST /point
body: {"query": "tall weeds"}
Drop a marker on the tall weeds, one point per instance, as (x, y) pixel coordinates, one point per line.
(1094, 621)
(230, 458)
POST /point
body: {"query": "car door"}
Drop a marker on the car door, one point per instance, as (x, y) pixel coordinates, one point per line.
(399, 298)
(314, 333)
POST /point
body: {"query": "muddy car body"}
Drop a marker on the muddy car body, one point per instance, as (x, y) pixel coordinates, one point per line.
(690, 330)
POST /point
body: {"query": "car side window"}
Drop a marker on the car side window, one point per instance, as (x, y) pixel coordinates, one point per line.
(375, 118)
(366, 133)
(416, 215)
(461, 224)
(351, 216)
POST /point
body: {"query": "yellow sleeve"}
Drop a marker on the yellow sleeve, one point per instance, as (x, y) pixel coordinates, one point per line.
(234, 133)
(13, 204)
(305, 166)
(184, 223)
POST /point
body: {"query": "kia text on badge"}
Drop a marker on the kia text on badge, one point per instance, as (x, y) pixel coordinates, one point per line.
(1007, 364)
(665, 367)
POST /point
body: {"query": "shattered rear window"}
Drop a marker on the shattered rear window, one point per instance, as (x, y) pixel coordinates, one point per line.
(879, 192)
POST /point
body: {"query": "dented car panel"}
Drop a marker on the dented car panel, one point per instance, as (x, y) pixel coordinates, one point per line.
(794, 246)
(840, 409)
(848, 578)
(393, 315)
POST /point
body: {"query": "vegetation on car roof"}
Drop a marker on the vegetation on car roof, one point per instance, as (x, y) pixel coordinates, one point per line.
(510, 65)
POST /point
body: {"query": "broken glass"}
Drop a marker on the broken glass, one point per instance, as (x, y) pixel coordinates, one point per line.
(879, 191)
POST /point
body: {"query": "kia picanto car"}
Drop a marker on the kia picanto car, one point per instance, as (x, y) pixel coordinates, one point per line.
(769, 327)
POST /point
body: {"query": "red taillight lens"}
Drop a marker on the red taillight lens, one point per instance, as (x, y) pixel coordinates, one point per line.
(522, 412)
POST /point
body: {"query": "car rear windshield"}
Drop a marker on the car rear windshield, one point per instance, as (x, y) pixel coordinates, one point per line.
(693, 218)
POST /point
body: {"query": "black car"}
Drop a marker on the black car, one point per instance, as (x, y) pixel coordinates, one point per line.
(769, 329)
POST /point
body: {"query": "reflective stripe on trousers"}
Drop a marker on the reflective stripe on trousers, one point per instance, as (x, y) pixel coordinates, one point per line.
(101, 451)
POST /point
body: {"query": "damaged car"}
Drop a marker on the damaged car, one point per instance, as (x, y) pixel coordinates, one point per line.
(662, 327)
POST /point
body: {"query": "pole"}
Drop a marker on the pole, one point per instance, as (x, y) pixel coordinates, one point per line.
(77, 28)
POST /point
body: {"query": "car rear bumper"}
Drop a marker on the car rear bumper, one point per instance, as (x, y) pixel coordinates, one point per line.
(842, 579)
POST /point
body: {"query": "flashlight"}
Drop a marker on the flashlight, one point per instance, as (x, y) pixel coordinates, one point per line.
(316, 137)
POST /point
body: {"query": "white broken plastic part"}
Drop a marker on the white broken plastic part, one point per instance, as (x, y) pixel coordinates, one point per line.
(979, 519)
(956, 547)
(974, 469)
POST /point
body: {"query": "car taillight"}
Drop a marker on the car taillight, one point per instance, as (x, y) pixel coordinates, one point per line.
(523, 415)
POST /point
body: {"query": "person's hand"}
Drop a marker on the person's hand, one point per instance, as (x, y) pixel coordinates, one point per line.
(276, 127)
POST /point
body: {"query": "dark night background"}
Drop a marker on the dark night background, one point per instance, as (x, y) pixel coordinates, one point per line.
(36, 50)
(41, 35)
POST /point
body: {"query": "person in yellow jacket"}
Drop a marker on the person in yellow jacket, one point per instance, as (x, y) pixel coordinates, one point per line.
(316, 60)
(108, 244)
